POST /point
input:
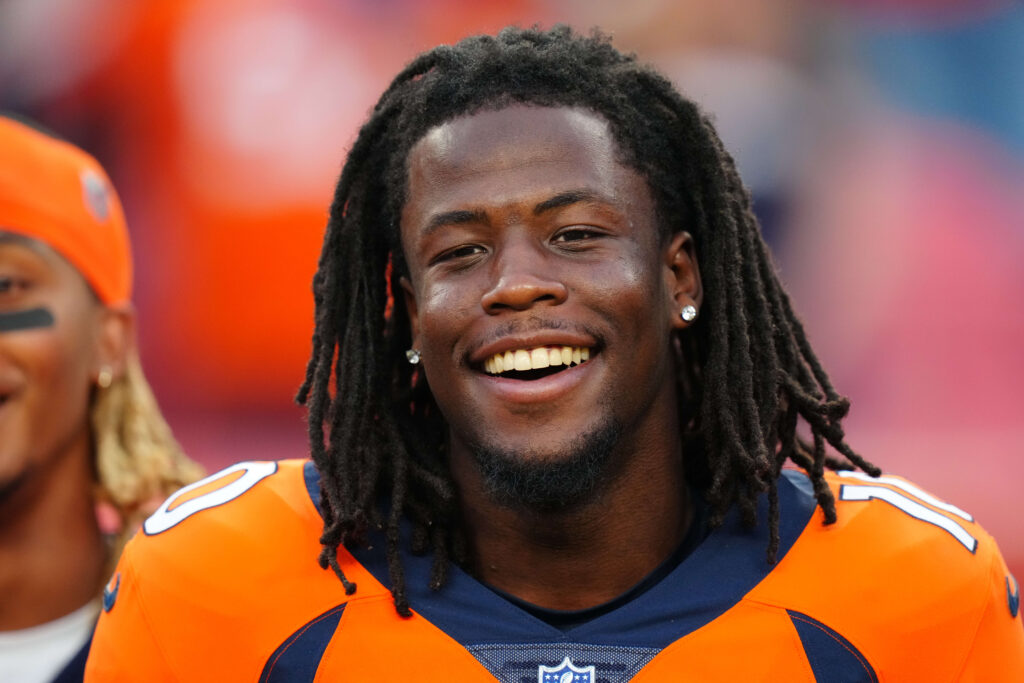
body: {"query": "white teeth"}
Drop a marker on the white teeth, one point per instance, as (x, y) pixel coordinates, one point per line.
(536, 358)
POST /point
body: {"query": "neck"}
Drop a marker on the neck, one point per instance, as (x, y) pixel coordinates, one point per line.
(52, 555)
(583, 557)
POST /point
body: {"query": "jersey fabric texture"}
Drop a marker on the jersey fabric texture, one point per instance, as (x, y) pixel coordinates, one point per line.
(223, 584)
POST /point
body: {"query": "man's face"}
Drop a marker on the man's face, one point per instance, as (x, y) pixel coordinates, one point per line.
(541, 297)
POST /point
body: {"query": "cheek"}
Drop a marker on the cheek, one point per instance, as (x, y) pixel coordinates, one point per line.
(58, 361)
(441, 314)
(627, 289)
(442, 309)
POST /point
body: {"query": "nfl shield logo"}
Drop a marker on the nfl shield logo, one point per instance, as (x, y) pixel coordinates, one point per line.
(565, 673)
(96, 194)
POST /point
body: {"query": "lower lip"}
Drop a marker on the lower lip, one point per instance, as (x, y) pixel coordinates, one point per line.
(543, 390)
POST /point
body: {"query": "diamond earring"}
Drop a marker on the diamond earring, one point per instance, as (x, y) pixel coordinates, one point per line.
(413, 356)
(689, 313)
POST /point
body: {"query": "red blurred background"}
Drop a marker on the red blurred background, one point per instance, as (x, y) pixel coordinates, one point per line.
(883, 142)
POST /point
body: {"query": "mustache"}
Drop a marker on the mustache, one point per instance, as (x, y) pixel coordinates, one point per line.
(533, 324)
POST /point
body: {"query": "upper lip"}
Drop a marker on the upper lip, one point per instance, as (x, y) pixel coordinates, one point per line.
(532, 340)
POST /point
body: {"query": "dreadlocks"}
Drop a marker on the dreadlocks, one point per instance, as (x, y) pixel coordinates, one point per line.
(749, 371)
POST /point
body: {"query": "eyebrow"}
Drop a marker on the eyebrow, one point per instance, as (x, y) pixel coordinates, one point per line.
(565, 199)
(461, 217)
(454, 218)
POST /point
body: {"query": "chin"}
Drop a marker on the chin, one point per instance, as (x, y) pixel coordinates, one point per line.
(558, 479)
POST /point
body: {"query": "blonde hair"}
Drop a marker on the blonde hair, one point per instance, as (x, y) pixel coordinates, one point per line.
(138, 461)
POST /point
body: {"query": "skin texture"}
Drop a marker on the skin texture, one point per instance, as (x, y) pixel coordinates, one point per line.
(47, 374)
(521, 229)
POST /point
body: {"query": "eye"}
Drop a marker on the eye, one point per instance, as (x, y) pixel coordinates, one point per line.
(11, 288)
(464, 251)
(575, 234)
(10, 284)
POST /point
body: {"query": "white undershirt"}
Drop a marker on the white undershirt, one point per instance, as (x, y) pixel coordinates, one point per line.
(39, 653)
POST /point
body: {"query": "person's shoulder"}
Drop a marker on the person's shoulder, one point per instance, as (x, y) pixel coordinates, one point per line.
(889, 513)
(896, 518)
(899, 562)
(248, 520)
(887, 524)
(242, 507)
(226, 565)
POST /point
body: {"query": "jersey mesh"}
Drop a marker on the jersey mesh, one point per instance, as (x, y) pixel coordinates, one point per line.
(520, 662)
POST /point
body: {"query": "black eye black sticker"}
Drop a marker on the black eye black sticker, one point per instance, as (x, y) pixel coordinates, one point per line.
(26, 320)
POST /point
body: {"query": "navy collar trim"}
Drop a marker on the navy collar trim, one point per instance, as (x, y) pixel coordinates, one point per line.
(716, 575)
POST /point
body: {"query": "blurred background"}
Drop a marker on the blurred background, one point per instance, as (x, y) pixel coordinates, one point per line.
(883, 141)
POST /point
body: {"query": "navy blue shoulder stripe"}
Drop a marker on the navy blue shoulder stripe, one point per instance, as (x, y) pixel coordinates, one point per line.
(312, 478)
(832, 657)
(298, 657)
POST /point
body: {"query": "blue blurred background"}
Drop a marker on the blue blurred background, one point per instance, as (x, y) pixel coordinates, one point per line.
(883, 141)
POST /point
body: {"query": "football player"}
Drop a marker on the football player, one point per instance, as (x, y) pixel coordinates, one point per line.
(554, 400)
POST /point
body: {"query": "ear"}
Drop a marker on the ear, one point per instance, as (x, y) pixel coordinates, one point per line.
(116, 339)
(412, 309)
(682, 277)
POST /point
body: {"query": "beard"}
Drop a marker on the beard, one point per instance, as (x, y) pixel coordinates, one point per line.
(540, 482)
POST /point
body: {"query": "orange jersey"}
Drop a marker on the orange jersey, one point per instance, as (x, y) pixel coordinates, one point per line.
(223, 584)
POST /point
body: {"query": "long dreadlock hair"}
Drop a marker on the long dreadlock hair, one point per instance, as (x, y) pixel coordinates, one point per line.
(749, 371)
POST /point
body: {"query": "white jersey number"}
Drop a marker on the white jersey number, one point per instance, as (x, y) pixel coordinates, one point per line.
(875, 491)
(169, 514)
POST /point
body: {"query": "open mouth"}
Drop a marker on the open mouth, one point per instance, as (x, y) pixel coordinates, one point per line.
(535, 363)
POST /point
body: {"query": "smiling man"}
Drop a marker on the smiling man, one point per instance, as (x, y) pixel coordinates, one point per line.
(554, 385)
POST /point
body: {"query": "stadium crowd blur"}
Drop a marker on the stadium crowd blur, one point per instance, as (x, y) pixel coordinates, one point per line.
(883, 141)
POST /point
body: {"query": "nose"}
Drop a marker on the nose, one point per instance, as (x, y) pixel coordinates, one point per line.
(523, 279)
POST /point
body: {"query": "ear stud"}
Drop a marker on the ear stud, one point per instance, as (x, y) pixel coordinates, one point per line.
(689, 313)
(105, 377)
(413, 356)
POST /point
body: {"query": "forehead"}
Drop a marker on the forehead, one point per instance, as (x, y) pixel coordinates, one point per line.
(13, 242)
(516, 154)
(514, 134)
(25, 248)
(7, 237)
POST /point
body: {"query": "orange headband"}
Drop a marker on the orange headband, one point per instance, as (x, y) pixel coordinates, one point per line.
(54, 192)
